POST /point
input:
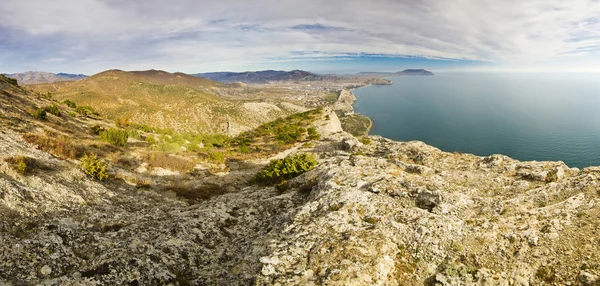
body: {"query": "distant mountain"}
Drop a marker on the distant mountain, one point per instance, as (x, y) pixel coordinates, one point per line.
(32, 77)
(263, 76)
(72, 76)
(414, 72)
(404, 72)
(167, 100)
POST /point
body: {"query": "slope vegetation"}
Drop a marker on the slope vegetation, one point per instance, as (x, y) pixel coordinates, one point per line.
(169, 100)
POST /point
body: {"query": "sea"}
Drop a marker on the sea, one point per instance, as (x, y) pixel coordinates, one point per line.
(526, 116)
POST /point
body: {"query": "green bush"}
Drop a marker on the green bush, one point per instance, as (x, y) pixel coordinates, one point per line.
(93, 167)
(285, 169)
(216, 156)
(86, 110)
(132, 133)
(312, 134)
(52, 109)
(39, 114)
(151, 140)
(115, 136)
(244, 149)
(289, 133)
(364, 140)
(70, 104)
(21, 164)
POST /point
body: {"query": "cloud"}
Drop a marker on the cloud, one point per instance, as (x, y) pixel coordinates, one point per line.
(92, 35)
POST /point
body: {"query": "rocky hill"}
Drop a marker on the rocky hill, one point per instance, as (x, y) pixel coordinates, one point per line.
(170, 100)
(372, 212)
(32, 77)
(263, 76)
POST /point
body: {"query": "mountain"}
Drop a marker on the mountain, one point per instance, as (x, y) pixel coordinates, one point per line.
(32, 77)
(266, 76)
(414, 72)
(370, 212)
(417, 72)
(169, 100)
(72, 76)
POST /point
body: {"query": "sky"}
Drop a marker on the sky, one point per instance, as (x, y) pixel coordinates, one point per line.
(327, 36)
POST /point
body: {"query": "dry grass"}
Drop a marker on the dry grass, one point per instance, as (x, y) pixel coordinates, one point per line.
(168, 161)
(197, 193)
(61, 148)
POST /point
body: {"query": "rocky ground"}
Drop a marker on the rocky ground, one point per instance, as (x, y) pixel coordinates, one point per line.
(382, 213)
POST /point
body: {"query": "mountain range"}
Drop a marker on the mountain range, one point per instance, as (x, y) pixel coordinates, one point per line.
(260, 77)
(413, 72)
(169, 100)
(34, 77)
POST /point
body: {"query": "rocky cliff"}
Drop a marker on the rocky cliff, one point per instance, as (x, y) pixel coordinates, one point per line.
(382, 213)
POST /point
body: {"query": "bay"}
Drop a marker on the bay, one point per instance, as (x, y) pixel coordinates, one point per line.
(545, 116)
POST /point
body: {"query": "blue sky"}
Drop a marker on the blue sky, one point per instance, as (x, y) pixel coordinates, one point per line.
(89, 36)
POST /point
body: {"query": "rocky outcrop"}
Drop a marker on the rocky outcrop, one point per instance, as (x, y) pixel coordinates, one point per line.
(344, 102)
(386, 213)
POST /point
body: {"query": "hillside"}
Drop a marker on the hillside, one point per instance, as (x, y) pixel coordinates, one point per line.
(262, 77)
(169, 100)
(371, 212)
(32, 77)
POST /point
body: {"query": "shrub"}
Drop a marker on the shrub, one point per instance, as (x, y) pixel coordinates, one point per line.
(70, 104)
(52, 109)
(94, 167)
(244, 149)
(150, 140)
(39, 114)
(288, 133)
(364, 140)
(21, 164)
(72, 114)
(216, 156)
(132, 133)
(312, 134)
(86, 110)
(117, 137)
(285, 169)
(122, 121)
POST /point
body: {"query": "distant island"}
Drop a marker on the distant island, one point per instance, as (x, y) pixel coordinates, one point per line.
(415, 72)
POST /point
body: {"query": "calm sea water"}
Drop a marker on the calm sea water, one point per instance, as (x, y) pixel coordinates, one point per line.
(524, 116)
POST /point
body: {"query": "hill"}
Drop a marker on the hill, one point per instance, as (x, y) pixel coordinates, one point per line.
(266, 76)
(415, 72)
(32, 77)
(370, 212)
(169, 100)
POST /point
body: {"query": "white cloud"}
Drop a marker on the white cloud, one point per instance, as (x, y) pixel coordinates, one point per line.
(192, 35)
